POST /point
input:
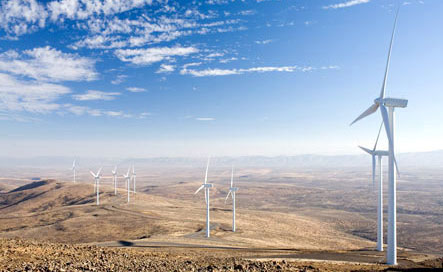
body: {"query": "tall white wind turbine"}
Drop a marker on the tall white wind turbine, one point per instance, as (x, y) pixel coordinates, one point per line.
(128, 181)
(97, 183)
(133, 177)
(73, 169)
(390, 104)
(232, 191)
(206, 186)
(114, 175)
(380, 154)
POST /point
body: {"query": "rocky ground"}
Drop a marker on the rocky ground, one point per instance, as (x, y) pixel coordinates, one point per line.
(21, 255)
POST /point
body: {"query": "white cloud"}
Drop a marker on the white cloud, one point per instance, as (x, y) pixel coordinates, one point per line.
(150, 55)
(263, 42)
(205, 119)
(30, 96)
(48, 64)
(95, 95)
(18, 17)
(166, 68)
(136, 89)
(346, 4)
(119, 79)
(224, 72)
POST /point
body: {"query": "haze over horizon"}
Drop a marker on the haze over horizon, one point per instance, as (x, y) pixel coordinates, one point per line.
(223, 78)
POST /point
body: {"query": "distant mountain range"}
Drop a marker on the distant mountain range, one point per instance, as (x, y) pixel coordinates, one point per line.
(432, 159)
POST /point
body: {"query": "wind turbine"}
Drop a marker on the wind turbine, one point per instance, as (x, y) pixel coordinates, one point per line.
(390, 104)
(114, 174)
(73, 169)
(128, 180)
(133, 176)
(206, 186)
(232, 191)
(97, 183)
(380, 154)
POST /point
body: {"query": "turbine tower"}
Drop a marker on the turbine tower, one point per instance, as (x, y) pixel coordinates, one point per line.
(73, 169)
(390, 104)
(114, 174)
(97, 182)
(232, 191)
(128, 181)
(133, 176)
(206, 186)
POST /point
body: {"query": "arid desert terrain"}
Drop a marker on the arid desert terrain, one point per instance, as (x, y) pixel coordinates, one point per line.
(287, 219)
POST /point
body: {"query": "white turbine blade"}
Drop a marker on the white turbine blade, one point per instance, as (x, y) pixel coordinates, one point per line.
(207, 168)
(133, 170)
(226, 199)
(384, 114)
(198, 190)
(129, 169)
(73, 165)
(115, 170)
(99, 171)
(396, 166)
(385, 79)
(367, 150)
(378, 136)
(232, 177)
(373, 108)
(92, 173)
(206, 197)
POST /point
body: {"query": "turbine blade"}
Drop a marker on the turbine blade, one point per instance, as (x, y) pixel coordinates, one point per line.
(133, 170)
(232, 177)
(198, 190)
(378, 136)
(92, 173)
(366, 149)
(373, 108)
(385, 79)
(206, 197)
(73, 165)
(207, 168)
(99, 171)
(384, 114)
(127, 174)
(396, 166)
(226, 199)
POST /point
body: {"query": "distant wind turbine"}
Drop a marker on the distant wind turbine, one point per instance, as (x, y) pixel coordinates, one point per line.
(73, 169)
(388, 121)
(206, 186)
(133, 177)
(114, 174)
(232, 191)
(128, 181)
(380, 154)
(97, 183)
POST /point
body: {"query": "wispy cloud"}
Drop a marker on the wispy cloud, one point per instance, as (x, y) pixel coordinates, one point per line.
(136, 89)
(205, 119)
(119, 79)
(225, 72)
(263, 42)
(95, 95)
(151, 55)
(346, 4)
(48, 64)
(30, 96)
(166, 68)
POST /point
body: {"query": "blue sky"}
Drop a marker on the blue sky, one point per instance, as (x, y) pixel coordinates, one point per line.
(222, 77)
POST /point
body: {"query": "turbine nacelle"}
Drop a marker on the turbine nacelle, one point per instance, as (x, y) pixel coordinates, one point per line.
(233, 189)
(395, 102)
